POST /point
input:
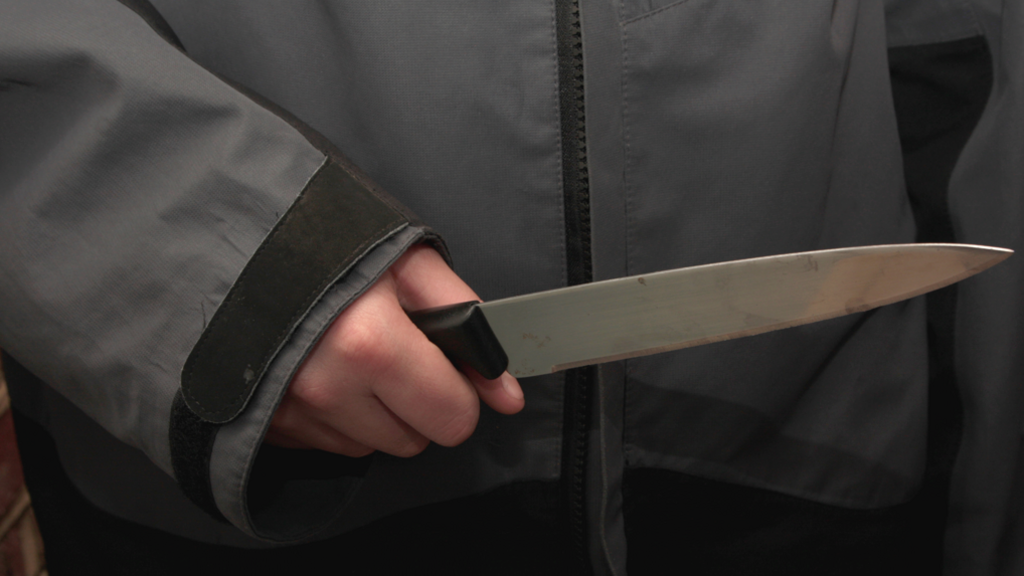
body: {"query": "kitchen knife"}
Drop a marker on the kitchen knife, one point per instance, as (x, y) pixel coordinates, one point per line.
(628, 317)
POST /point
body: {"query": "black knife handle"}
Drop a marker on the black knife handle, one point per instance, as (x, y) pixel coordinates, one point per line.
(461, 331)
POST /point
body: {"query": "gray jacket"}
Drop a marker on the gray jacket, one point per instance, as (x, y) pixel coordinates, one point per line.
(153, 208)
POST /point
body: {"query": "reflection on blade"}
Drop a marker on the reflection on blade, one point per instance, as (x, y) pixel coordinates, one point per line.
(628, 317)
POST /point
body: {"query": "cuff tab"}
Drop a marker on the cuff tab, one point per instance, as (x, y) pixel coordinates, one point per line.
(335, 220)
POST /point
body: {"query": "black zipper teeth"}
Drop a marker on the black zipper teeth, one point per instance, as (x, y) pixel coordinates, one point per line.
(576, 191)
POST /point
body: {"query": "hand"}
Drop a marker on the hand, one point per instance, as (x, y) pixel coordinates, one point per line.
(374, 381)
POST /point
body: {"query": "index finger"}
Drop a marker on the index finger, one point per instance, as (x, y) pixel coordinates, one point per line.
(424, 280)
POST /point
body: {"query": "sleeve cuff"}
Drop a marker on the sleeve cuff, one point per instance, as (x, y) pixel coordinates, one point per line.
(335, 240)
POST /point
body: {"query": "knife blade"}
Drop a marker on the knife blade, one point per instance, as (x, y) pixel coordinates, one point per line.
(646, 314)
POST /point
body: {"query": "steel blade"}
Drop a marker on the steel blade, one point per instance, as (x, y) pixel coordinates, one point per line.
(639, 315)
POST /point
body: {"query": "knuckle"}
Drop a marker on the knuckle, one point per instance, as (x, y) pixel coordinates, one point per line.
(364, 345)
(310, 392)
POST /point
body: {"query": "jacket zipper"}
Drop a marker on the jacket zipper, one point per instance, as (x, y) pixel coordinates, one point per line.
(576, 194)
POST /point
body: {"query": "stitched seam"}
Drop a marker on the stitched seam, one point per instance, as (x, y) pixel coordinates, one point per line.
(653, 12)
(556, 82)
(627, 185)
(371, 186)
(627, 142)
(373, 189)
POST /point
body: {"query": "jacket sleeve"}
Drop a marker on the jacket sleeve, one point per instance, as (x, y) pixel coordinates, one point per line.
(172, 246)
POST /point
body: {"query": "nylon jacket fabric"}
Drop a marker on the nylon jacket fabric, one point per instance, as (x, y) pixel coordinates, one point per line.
(135, 183)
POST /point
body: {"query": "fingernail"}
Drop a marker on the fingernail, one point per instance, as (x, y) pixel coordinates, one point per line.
(511, 386)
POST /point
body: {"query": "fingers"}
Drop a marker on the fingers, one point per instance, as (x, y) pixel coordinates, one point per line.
(421, 387)
(374, 382)
(317, 437)
(424, 280)
(389, 389)
(377, 382)
(502, 394)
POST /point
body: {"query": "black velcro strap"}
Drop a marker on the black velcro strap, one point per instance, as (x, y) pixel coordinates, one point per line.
(191, 446)
(332, 223)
